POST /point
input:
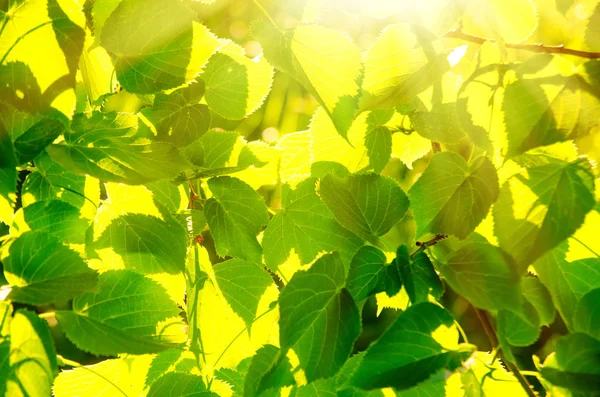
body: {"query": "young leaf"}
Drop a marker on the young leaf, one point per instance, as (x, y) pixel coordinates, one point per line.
(109, 147)
(418, 276)
(452, 197)
(128, 314)
(324, 60)
(319, 317)
(177, 384)
(307, 226)
(242, 283)
(368, 205)
(542, 206)
(42, 270)
(156, 45)
(484, 275)
(236, 85)
(407, 353)
(235, 214)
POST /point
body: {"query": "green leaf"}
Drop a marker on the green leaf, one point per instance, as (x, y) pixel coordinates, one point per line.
(552, 117)
(397, 69)
(52, 182)
(378, 139)
(213, 150)
(538, 295)
(177, 119)
(418, 276)
(41, 270)
(542, 206)
(108, 378)
(236, 85)
(319, 317)
(35, 139)
(34, 80)
(156, 45)
(578, 364)
(109, 147)
(587, 314)
(441, 124)
(567, 281)
(267, 370)
(59, 219)
(177, 384)
(520, 326)
(29, 361)
(484, 275)
(320, 388)
(147, 244)
(128, 314)
(452, 197)
(407, 353)
(235, 214)
(242, 283)
(324, 60)
(368, 273)
(307, 226)
(8, 193)
(368, 205)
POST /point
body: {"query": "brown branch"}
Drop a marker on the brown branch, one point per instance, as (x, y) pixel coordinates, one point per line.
(423, 245)
(491, 334)
(540, 48)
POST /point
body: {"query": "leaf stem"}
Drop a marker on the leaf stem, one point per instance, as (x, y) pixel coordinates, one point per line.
(539, 48)
(47, 315)
(491, 334)
(423, 245)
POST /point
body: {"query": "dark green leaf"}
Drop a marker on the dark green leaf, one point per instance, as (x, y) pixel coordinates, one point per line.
(418, 276)
(58, 218)
(178, 384)
(367, 275)
(587, 314)
(407, 353)
(267, 370)
(319, 318)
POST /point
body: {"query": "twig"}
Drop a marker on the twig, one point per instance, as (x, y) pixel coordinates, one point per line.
(539, 48)
(491, 334)
(423, 245)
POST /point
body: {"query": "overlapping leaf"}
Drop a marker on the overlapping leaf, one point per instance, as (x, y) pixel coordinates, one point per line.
(42, 270)
(307, 226)
(542, 206)
(109, 147)
(235, 214)
(156, 45)
(319, 318)
(453, 197)
(128, 314)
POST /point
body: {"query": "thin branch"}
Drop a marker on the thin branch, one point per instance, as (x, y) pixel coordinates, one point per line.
(540, 48)
(491, 334)
(423, 245)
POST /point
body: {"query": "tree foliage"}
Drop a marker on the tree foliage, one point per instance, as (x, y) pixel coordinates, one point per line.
(221, 197)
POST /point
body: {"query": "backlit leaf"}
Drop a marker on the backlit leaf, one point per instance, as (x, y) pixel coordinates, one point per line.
(319, 317)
